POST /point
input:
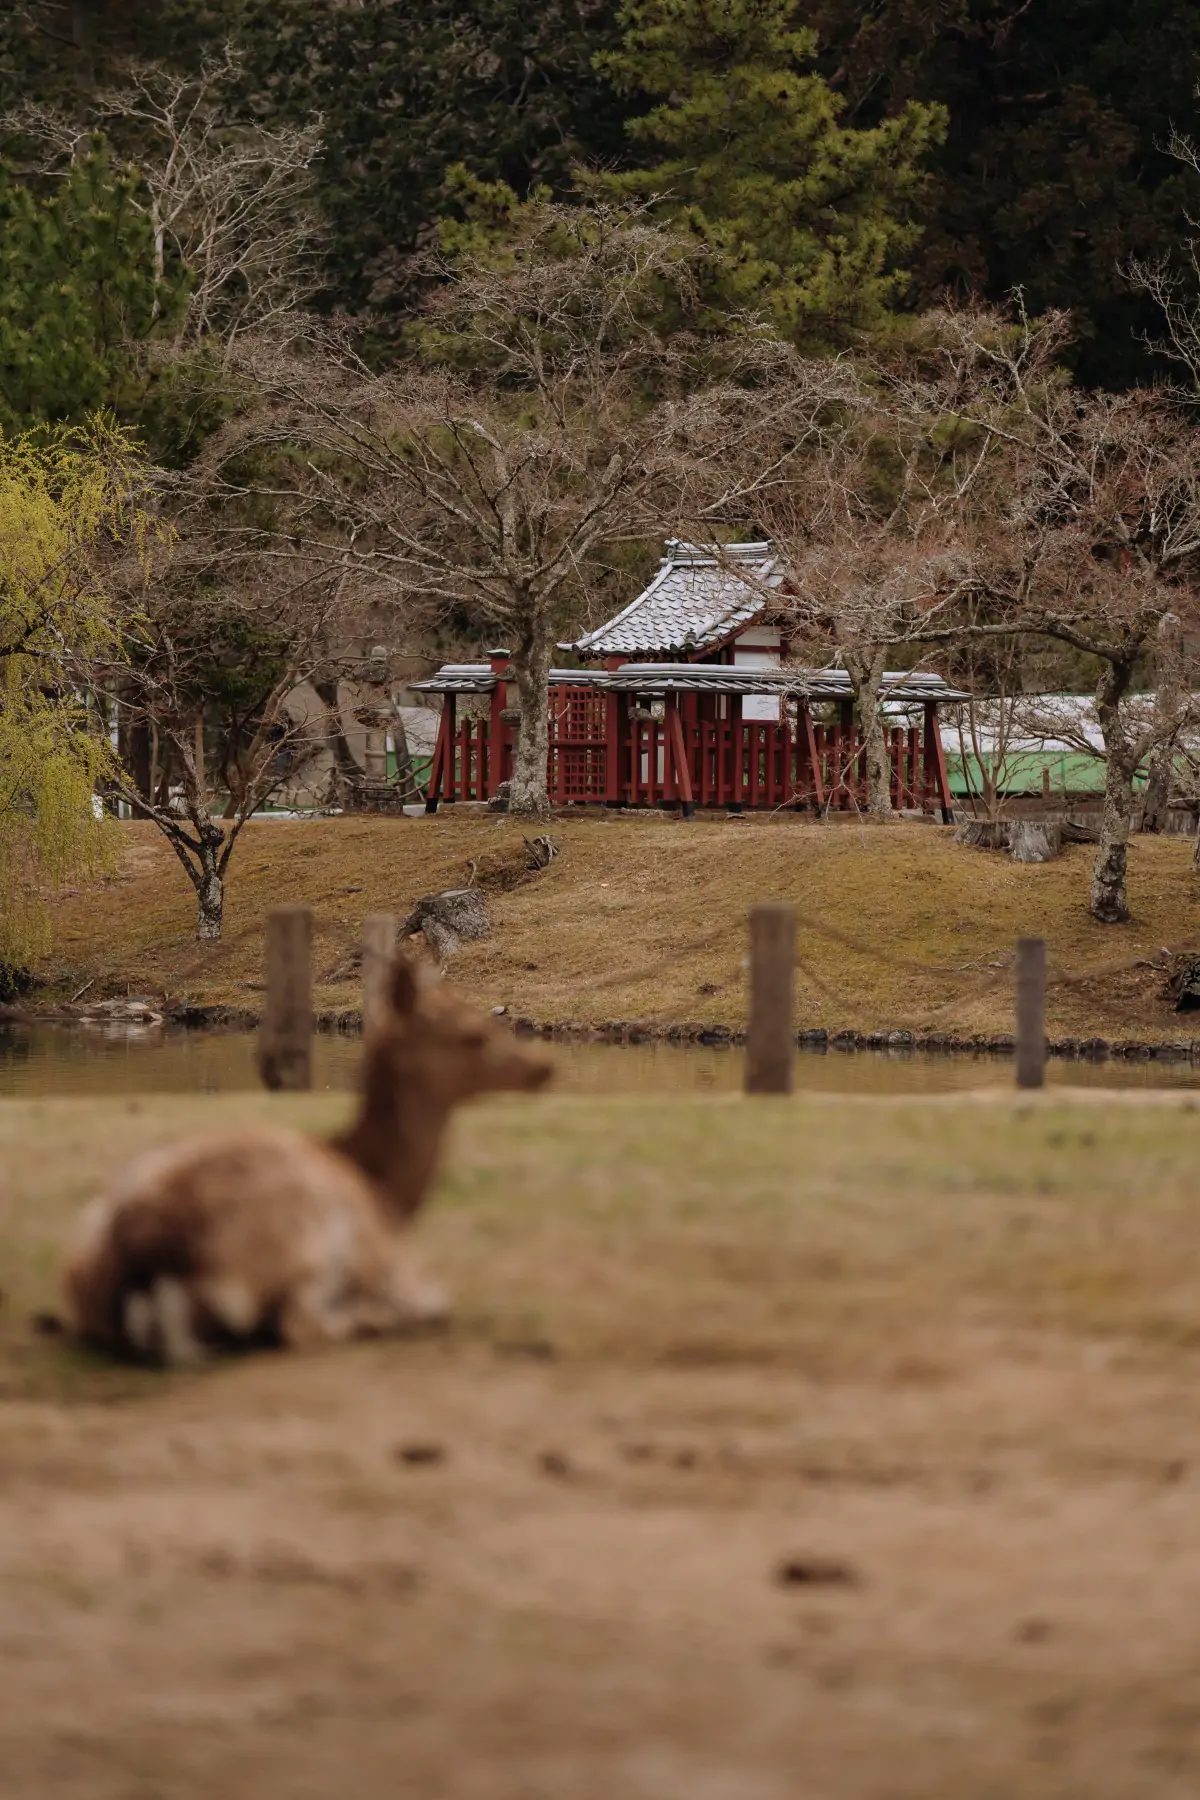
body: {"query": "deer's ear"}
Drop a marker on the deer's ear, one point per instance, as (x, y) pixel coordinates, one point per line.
(404, 986)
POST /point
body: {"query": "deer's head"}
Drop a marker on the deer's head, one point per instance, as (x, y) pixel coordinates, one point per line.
(435, 1044)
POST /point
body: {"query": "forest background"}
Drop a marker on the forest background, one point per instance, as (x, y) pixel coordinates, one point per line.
(246, 233)
(1052, 169)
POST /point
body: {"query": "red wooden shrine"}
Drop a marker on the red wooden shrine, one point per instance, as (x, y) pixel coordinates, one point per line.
(725, 723)
(607, 747)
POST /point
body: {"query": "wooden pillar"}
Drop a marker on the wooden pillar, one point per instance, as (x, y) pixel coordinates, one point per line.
(450, 717)
(441, 751)
(612, 747)
(770, 1047)
(1031, 1012)
(935, 761)
(737, 730)
(814, 755)
(285, 1035)
(679, 756)
(379, 950)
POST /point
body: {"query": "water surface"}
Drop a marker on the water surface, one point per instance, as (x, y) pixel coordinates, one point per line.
(49, 1059)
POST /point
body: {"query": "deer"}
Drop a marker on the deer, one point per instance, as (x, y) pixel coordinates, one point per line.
(264, 1235)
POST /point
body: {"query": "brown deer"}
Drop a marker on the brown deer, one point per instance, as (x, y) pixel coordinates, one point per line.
(264, 1235)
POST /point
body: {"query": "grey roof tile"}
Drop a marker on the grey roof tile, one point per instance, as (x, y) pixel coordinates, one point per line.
(693, 603)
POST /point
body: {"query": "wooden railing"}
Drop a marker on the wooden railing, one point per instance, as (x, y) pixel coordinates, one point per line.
(599, 752)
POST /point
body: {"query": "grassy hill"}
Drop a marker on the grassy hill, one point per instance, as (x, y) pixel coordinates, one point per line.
(645, 919)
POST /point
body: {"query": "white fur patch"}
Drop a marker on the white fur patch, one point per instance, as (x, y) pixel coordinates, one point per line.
(141, 1323)
(179, 1345)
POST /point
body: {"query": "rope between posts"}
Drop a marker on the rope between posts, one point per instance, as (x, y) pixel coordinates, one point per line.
(905, 964)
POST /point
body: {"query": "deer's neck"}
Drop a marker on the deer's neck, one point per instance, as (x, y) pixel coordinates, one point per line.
(395, 1142)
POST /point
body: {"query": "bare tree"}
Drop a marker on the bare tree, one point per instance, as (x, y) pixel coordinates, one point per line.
(990, 723)
(230, 198)
(551, 418)
(861, 513)
(211, 653)
(1086, 531)
(1173, 282)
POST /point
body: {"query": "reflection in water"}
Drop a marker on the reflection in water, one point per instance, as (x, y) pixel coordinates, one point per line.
(69, 1060)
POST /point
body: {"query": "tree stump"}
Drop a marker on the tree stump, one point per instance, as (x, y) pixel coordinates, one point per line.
(1183, 984)
(448, 920)
(984, 834)
(1034, 841)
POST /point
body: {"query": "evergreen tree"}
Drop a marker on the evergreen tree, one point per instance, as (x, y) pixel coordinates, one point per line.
(1054, 169)
(811, 217)
(409, 88)
(77, 292)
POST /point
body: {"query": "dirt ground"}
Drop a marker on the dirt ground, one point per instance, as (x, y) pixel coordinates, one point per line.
(836, 1448)
(644, 918)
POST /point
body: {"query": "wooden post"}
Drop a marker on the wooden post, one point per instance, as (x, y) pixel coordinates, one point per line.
(612, 747)
(814, 756)
(679, 757)
(450, 791)
(935, 761)
(285, 1035)
(770, 1048)
(1031, 1012)
(379, 948)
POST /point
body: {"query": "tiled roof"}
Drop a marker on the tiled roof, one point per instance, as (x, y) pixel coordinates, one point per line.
(693, 603)
(656, 679)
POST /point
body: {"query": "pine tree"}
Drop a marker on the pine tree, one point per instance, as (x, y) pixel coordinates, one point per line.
(77, 292)
(812, 219)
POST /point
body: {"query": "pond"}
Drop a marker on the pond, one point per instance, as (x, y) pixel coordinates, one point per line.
(50, 1059)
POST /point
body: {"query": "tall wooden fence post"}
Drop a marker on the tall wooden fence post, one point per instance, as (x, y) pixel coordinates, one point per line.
(285, 1036)
(379, 948)
(770, 1046)
(1031, 1012)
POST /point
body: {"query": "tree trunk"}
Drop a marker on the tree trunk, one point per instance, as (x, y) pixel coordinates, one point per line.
(210, 891)
(1169, 702)
(879, 766)
(527, 794)
(1157, 798)
(345, 771)
(406, 781)
(1110, 899)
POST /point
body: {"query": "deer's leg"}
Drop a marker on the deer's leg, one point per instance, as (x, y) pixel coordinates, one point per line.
(422, 1299)
(401, 1295)
(312, 1314)
(161, 1325)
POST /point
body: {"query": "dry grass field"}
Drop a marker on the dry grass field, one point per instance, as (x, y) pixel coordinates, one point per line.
(645, 919)
(821, 1447)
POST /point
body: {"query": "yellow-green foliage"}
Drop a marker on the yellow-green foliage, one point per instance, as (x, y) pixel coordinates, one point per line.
(68, 499)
